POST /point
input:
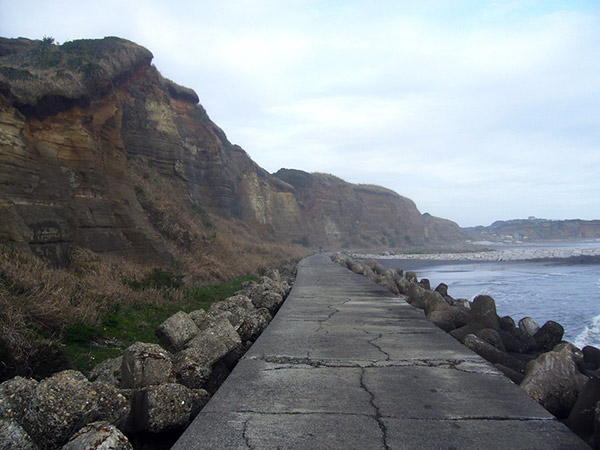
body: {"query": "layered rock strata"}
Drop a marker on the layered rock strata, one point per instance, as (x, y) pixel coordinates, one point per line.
(75, 120)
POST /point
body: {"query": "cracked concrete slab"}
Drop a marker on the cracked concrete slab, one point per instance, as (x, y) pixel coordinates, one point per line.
(346, 364)
(274, 387)
(444, 391)
(416, 434)
(286, 431)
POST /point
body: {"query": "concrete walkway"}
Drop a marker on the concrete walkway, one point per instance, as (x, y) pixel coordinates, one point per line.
(346, 364)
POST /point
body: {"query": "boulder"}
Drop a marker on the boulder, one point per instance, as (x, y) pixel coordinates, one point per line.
(388, 282)
(514, 339)
(274, 275)
(268, 299)
(460, 333)
(443, 319)
(483, 311)
(591, 355)
(507, 323)
(356, 267)
(396, 276)
(524, 338)
(235, 301)
(581, 418)
(549, 336)
(204, 319)
(447, 317)
(175, 332)
(461, 302)
(144, 365)
(13, 436)
(461, 316)
(425, 283)
(215, 342)
(65, 402)
(491, 337)
(255, 290)
(433, 300)
(377, 267)
(414, 293)
(368, 272)
(577, 354)
(254, 324)
(442, 288)
(15, 396)
(514, 344)
(492, 354)
(529, 325)
(403, 286)
(201, 318)
(98, 436)
(108, 371)
(427, 300)
(515, 377)
(551, 380)
(411, 276)
(235, 314)
(111, 404)
(163, 407)
(192, 368)
(338, 258)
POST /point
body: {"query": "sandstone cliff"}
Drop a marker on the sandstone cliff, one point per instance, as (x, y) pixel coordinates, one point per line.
(98, 150)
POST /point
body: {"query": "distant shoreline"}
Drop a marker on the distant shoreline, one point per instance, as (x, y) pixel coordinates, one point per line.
(566, 255)
(419, 264)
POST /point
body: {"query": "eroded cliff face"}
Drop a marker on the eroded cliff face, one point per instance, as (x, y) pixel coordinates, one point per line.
(338, 213)
(536, 230)
(75, 122)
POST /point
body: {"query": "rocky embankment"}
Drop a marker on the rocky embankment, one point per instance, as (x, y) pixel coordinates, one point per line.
(561, 377)
(151, 392)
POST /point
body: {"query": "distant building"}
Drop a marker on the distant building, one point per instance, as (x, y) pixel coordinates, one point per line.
(531, 218)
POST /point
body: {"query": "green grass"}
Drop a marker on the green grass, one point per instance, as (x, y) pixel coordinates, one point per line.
(86, 346)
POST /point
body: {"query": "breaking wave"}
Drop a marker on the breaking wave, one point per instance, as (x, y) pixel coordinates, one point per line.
(590, 334)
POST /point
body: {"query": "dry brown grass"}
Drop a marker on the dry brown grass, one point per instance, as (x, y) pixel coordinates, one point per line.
(38, 302)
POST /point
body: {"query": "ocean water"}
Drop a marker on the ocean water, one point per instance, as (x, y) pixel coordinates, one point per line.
(566, 293)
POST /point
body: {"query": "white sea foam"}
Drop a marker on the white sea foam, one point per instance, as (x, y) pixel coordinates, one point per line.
(514, 254)
(590, 334)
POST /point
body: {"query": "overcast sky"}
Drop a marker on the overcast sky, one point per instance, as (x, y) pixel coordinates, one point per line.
(477, 110)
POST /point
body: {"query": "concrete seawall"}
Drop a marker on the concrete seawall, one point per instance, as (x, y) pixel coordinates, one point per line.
(346, 364)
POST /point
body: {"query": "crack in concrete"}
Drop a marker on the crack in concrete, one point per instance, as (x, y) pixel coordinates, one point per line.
(332, 313)
(461, 365)
(477, 418)
(245, 434)
(302, 413)
(378, 417)
(378, 347)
